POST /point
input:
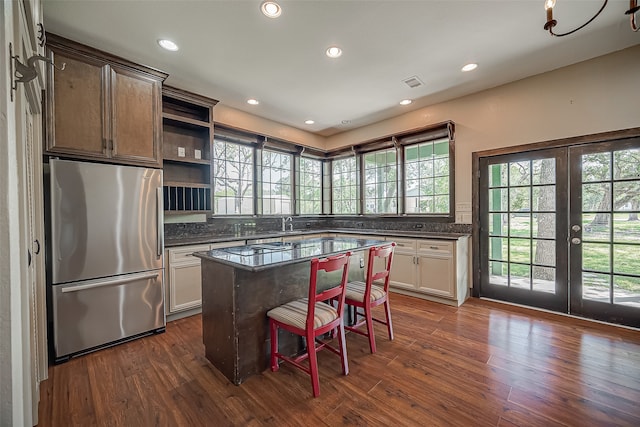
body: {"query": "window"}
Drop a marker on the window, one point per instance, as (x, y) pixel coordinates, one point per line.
(345, 186)
(380, 182)
(276, 183)
(310, 187)
(427, 179)
(233, 178)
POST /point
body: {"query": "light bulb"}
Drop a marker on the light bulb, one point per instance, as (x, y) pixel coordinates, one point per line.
(549, 4)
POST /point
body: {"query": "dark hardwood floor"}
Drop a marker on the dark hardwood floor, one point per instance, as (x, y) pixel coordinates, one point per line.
(482, 364)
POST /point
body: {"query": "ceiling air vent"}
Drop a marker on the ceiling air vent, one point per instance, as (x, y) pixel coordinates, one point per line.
(413, 82)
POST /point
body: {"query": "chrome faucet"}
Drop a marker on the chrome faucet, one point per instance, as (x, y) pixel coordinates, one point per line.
(284, 223)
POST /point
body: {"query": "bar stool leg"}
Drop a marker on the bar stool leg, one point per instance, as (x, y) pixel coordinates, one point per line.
(313, 363)
(274, 345)
(343, 349)
(387, 310)
(370, 334)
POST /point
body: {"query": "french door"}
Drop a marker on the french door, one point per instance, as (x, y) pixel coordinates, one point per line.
(560, 229)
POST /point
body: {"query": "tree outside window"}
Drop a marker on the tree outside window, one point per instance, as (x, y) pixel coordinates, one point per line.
(233, 178)
(310, 187)
(345, 186)
(276, 183)
(427, 177)
(381, 182)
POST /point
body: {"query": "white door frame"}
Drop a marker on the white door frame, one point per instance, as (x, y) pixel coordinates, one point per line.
(19, 372)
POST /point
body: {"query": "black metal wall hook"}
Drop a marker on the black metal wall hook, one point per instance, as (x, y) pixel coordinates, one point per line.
(24, 73)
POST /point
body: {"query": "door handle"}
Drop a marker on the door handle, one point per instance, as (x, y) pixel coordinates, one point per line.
(159, 222)
(576, 241)
(37, 251)
(102, 283)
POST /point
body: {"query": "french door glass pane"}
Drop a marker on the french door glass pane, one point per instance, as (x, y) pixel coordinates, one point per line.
(544, 225)
(544, 171)
(596, 227)
(625, 259)
(519, 199)
(626, 229)
(497, 175)
(626, 291)
(595, 286)
(595, 197)
(626, 164)
(520, 250)
(498, 199)
(596, 167)
(519, 173)
(544, 252)
(497, 224)
(520, 276)
(596, 257)
(544, 279)
(544, 198)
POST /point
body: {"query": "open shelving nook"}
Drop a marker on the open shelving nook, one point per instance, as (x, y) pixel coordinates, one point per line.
(187, 130)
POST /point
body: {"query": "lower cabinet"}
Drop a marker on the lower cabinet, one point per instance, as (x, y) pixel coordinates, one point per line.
(437, 270)
(183, 281)
(184, 284)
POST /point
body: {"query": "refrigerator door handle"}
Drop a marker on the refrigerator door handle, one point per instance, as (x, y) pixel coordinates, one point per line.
(160, 225)
(101, 283)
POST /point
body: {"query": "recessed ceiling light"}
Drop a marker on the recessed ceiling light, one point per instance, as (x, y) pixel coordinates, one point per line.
(406, 102)
(309, 122)
(270, 9)
(334, 52)
(253, 101)
(470, 67)
(346, 122)
(168, 44)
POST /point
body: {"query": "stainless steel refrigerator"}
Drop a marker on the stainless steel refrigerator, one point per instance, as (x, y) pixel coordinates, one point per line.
(105, 254)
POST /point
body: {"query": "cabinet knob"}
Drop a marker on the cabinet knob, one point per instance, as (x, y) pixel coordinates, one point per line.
(434, 247)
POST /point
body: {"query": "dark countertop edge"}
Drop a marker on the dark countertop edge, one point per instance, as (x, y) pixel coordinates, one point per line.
(206, 256)
(169, 243)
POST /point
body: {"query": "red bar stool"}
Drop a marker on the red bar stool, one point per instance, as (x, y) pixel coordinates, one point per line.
(311, 317)
(371, 293)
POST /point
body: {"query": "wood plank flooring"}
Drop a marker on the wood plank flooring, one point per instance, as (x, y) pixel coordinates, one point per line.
(482, 364)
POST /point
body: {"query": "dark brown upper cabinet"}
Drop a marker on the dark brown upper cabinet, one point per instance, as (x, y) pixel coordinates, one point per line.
(102, 107)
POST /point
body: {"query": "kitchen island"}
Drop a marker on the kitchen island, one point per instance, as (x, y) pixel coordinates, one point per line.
(240, 284)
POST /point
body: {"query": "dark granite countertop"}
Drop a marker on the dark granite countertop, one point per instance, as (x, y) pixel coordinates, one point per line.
(222, 238)
(262, 256)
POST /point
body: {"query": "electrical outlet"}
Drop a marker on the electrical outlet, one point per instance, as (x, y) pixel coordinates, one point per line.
(197, 154)
(181, 152)
(419, 225)
(361, 262)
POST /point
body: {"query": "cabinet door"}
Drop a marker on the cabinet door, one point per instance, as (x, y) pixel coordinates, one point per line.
(436, 275)
(185, 286)
(135, 117)
(403, 271)
(76, 116)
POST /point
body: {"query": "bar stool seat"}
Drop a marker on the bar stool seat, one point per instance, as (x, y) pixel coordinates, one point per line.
(294, 313)
(356, 291)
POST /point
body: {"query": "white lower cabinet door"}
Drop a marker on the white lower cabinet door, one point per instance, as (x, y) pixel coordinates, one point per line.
(436, 276)
(185, 286)
(403, 271)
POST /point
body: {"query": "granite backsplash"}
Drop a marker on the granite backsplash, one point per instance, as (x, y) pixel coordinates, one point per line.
(220, 226)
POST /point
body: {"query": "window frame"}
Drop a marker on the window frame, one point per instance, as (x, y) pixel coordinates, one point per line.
(400, 142)
(260, 193)
(298, 159)
(358, 187)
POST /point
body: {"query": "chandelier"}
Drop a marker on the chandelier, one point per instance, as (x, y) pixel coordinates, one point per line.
(551, 23)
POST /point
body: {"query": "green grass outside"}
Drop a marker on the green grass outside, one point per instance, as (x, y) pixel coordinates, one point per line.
(596, 250)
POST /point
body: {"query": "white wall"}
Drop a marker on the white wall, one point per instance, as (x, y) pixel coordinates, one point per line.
(590, 97)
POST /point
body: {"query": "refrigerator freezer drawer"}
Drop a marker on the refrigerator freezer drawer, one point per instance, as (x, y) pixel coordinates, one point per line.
(94, 313)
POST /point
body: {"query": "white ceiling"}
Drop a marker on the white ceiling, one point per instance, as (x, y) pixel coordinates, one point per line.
(231, 52)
